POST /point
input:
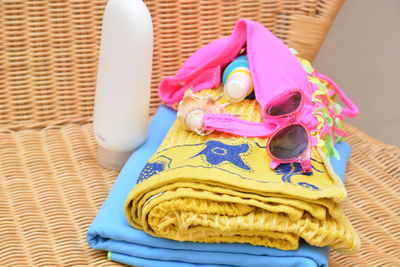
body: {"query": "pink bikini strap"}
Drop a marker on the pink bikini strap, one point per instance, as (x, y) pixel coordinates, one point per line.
(230, 124)
(350, 112)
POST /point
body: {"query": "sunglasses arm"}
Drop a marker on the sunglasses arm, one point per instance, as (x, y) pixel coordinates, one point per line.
(306, 165)
(274, 164)
(304, 161)
(230, 124)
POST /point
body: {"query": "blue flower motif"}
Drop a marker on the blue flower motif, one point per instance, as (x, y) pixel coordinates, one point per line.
(288, 170)
(152, 168)
(307, 185)
(217, 152)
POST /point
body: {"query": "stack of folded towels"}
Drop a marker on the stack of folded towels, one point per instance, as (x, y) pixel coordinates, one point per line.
(188, 200)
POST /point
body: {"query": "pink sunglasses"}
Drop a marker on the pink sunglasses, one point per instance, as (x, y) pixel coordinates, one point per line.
(289, 137)
(291, 142)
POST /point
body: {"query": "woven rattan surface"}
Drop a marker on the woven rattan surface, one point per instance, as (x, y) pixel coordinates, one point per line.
(51, 189)
(48, 49)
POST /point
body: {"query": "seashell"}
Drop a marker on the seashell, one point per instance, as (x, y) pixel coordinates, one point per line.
(191, 110)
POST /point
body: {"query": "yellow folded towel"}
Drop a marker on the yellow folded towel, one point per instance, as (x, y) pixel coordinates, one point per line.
(220, 188)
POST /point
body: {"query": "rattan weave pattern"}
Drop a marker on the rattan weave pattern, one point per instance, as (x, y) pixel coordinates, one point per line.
(49, 49)
(51, 188)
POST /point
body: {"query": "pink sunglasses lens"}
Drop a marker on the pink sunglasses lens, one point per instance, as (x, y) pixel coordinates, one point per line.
(289, 143)
(284, 105)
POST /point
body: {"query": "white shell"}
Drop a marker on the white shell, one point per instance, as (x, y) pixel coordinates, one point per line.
(192, 108)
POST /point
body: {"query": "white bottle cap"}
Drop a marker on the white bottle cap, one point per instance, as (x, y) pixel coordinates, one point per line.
(113, 160)
(237, 87)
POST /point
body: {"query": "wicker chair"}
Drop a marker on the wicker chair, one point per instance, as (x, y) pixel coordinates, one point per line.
(51, 186)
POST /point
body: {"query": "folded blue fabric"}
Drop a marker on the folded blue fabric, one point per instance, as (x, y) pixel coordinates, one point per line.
(110, 230)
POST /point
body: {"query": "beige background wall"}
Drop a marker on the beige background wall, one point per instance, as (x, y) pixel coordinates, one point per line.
(362, 54)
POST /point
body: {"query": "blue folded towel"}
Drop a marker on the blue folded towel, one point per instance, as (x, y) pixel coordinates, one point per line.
(110, 230)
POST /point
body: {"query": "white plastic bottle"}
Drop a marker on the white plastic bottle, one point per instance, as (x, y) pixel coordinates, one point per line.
(237, 80)
(123, 81)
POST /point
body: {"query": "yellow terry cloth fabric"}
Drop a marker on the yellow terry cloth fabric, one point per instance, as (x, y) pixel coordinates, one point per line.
(220, 188)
